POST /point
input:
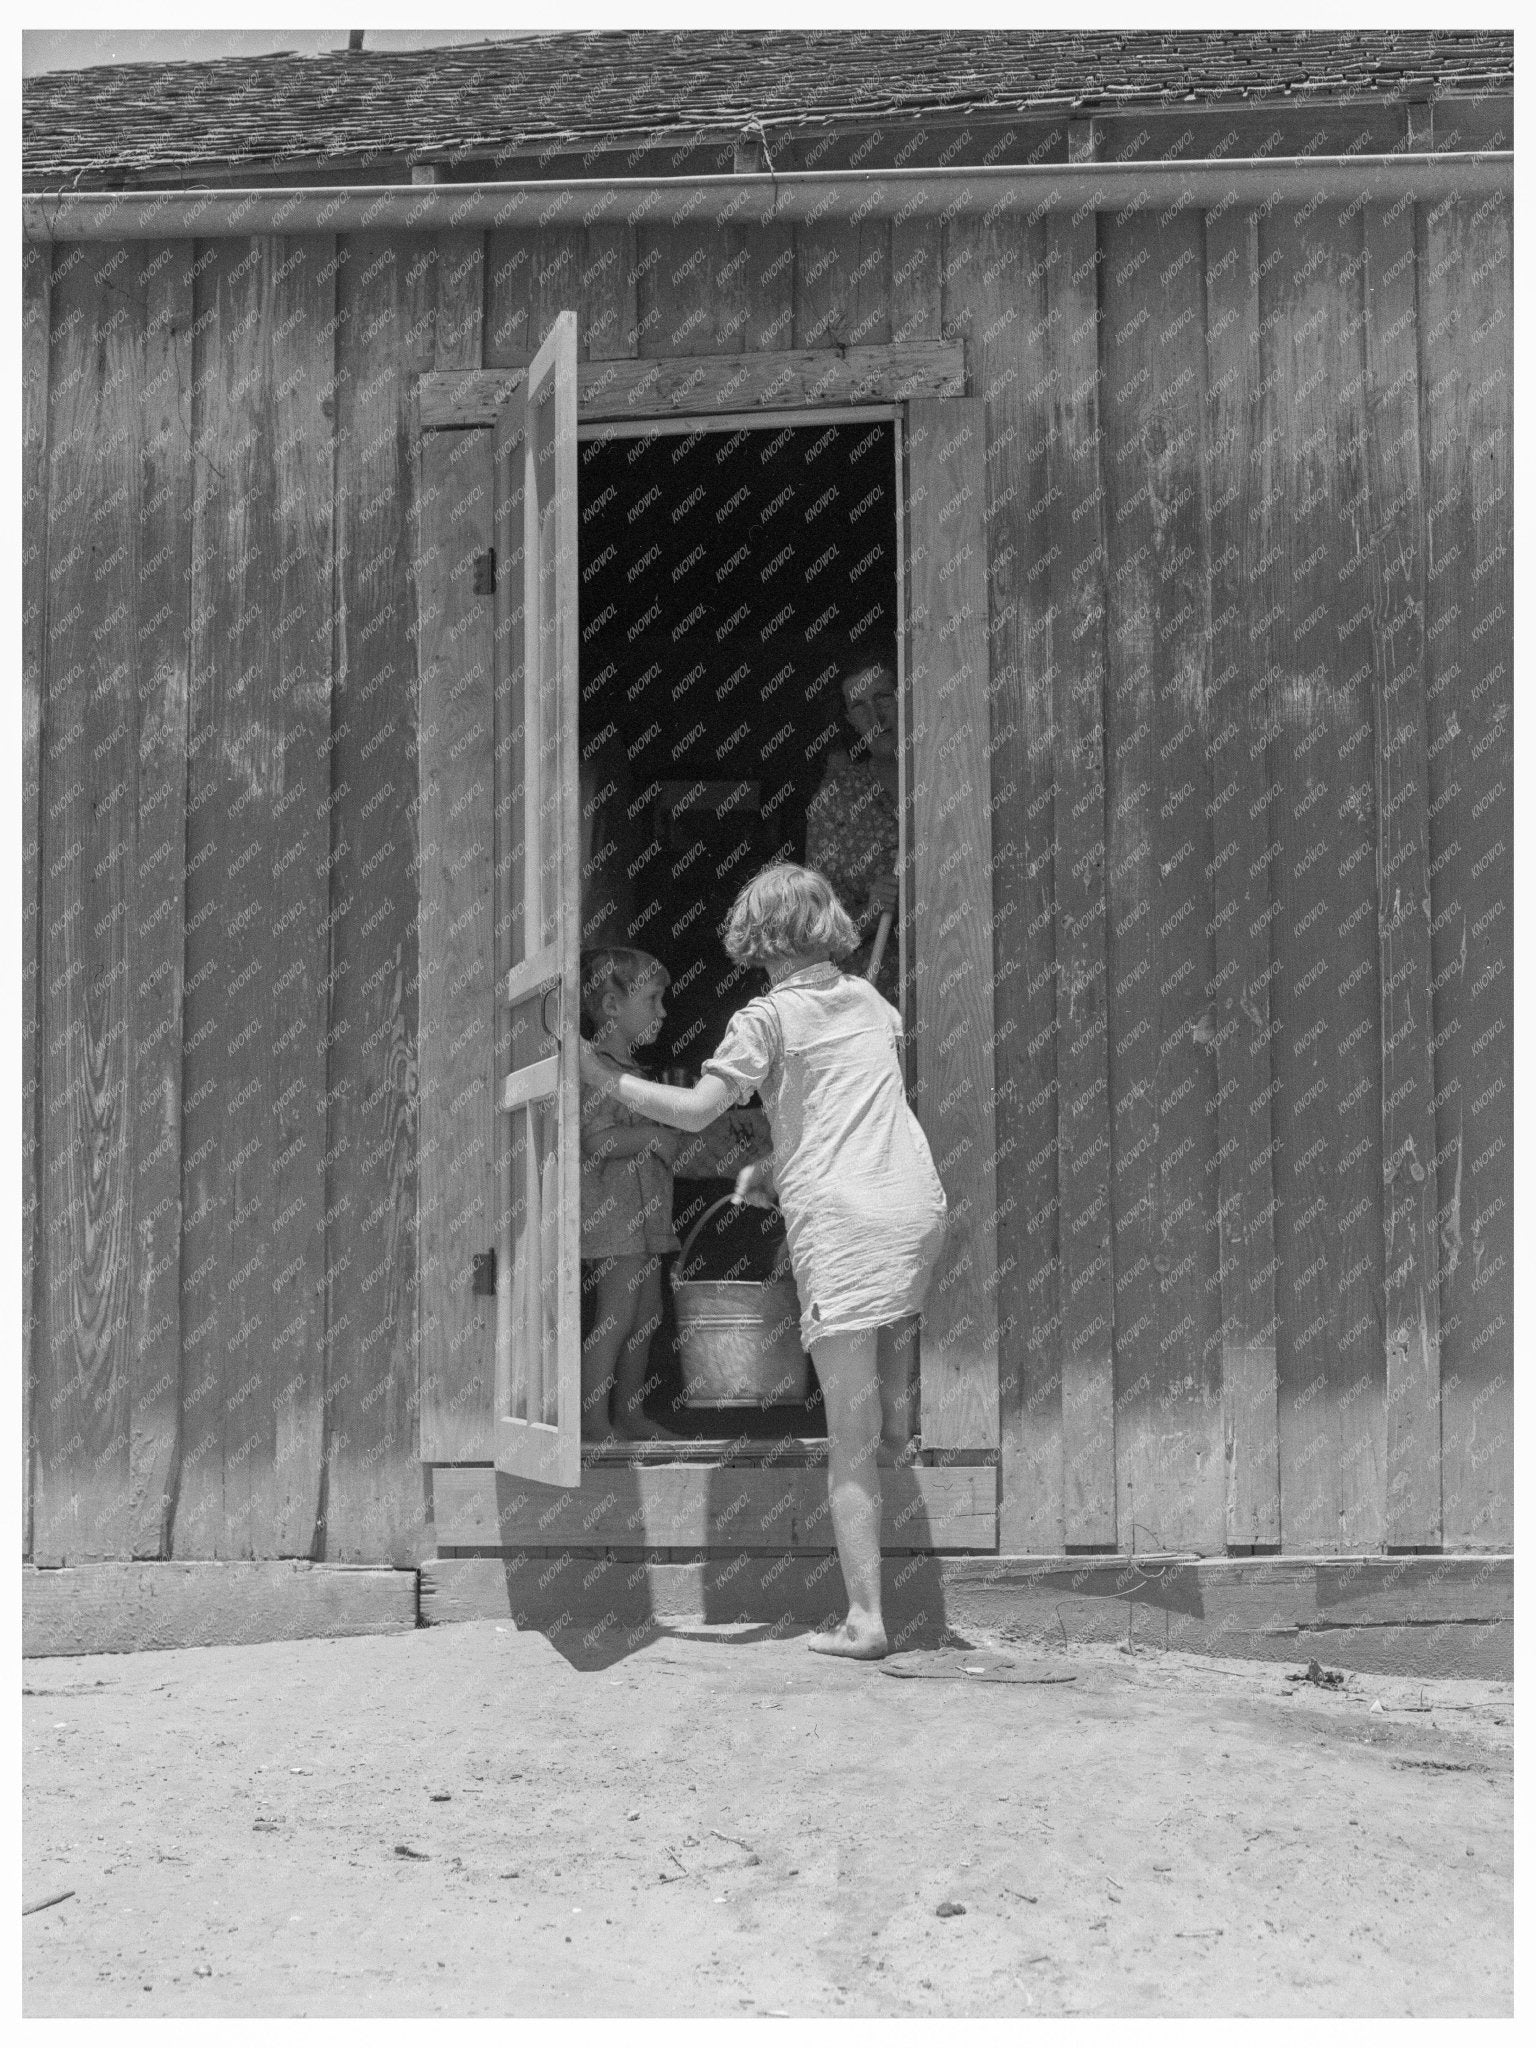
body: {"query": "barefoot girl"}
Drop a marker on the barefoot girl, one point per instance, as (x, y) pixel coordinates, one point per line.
(863, 1208)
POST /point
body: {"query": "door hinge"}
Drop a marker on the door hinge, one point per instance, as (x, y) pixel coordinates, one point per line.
(485, 574)
(484, 1281)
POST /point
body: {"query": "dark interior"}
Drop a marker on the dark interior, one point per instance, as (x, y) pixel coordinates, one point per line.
(727, 577)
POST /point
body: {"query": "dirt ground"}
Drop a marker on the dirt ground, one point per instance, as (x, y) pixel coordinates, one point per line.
(469, 1820)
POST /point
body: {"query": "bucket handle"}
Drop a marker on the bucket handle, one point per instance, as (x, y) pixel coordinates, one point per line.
(682, 1257)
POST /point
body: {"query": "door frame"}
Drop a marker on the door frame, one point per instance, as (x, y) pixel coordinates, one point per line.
(466, 399)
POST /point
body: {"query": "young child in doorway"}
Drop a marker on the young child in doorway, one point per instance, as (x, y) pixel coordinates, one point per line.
(863, 1206)
(626, 1193)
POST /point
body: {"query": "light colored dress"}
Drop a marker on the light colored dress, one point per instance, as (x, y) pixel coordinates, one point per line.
(863, 1206)
(626, 1204)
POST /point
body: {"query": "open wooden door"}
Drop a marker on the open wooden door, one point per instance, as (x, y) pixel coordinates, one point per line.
(537, 1403)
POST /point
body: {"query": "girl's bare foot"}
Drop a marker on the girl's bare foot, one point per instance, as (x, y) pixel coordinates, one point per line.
(862, 1639)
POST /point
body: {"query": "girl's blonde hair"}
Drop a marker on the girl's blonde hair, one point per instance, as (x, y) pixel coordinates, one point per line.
(615, 970)
(784, 911)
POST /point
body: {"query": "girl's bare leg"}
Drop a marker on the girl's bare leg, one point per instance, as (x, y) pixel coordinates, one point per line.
(846, 1368)
(629, 1418)
(614, 1282)
(896, 1357)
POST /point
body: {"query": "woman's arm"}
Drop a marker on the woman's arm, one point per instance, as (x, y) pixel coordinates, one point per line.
(685, 1109)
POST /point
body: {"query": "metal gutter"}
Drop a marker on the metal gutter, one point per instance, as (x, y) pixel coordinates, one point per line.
(721, 199)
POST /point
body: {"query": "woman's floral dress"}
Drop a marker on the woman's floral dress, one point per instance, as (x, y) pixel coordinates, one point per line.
(853, 835)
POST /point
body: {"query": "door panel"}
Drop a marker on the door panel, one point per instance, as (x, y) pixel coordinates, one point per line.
(538, 1362)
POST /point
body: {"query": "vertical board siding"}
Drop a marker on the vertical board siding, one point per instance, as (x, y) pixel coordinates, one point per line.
(714, 287)
(387, 299)
(1395, 540)
(1170, 1467)
(994, 296)
(947, 635)
(458, 267)
(842, 284)
(1249, 704)
(458, 1006)
(111, 848)
(1237, 1028)
(1315, 646)
(529, 278)
(916, 294)
(1465, 320)
(36, 293)
(1079, 675)
(259, 911)
(162, 650)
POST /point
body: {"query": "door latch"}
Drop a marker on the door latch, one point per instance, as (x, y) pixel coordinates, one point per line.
(484, 1268)
(484, 568)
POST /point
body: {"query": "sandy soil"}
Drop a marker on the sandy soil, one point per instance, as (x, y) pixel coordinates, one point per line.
(714, 1822)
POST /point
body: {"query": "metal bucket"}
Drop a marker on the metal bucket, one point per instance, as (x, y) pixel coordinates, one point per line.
(738, 1340)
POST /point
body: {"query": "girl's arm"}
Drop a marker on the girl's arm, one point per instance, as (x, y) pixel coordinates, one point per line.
(685, 1109)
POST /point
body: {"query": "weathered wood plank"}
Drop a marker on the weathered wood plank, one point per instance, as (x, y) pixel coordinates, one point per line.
(1237, 1029)
(926, 1507)
(1457, 1628)
(259, 919)
(1311, 646)
(917, 290)
(1169, 1452)
(459, 304)
(531, 277)
(950, 671)
(374, 1498)
(457, 1150)
(1216, 1607)
(606, 312)
(1395, 540)
(157, 942)
(1466, 350)
(704, 383)
(99, 1609)
(994, 300)
(720, 287)
(569, 1590)
(1079, 679)
(36, 294)
(1269, 1593)
(842, 283)
(89, 907)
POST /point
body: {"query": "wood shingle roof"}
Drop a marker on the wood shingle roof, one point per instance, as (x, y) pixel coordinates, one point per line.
(605, 91)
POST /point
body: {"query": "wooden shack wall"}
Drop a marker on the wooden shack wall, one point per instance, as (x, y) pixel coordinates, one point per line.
(1249, 602)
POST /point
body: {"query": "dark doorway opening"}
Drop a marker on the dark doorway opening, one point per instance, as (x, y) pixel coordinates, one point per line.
(729, 577)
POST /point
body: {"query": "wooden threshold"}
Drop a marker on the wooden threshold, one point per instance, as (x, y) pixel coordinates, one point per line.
(766, 380)
(747, 1450)
(708, 1505)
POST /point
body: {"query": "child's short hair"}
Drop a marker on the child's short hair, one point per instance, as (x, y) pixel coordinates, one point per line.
(616, 970)
(787, 910)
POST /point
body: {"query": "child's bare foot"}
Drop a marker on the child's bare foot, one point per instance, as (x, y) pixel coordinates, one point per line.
(859, 1638)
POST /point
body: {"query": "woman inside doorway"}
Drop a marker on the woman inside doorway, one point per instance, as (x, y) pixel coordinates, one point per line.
(852, 824)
